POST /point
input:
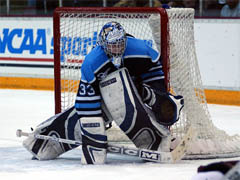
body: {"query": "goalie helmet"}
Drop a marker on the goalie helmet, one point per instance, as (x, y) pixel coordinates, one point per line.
(112, 38)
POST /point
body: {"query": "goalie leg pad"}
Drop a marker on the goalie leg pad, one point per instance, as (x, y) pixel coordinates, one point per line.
(43, 149)
(94, 140)
(64, 125)
(128, 111)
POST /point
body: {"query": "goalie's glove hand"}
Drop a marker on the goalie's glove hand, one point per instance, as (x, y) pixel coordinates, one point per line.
(167, 108)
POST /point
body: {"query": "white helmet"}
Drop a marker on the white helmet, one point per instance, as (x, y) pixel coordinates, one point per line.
(112, 38)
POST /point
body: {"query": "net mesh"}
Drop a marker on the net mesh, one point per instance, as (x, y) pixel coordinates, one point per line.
(78, 35)
(185, 79)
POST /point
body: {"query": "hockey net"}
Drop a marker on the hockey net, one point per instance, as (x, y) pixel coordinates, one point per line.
(169, 31)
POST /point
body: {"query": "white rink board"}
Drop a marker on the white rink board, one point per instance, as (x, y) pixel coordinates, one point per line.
(218, 52)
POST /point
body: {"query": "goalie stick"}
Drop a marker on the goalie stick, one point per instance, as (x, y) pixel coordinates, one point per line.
(144, 154)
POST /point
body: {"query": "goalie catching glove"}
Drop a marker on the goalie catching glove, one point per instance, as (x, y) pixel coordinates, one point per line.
(166, 106)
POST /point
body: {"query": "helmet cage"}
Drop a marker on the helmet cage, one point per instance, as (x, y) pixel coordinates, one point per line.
(115, 49)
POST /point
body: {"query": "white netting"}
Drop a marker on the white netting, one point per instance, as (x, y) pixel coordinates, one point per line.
(185, 79)
(78, 33)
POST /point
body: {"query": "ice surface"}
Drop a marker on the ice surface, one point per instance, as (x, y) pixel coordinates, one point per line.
(27, 108)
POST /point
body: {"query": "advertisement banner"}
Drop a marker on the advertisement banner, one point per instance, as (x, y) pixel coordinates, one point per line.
(26, 38)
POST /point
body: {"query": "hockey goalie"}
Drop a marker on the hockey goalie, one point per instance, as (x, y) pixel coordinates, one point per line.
(122, 80)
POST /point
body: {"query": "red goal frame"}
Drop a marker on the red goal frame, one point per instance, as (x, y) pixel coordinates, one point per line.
(56, 26)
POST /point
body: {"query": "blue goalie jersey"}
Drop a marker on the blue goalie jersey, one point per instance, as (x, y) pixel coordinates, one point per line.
(142, 62)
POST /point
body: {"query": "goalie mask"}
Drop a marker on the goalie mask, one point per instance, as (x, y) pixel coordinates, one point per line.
(112, 38)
